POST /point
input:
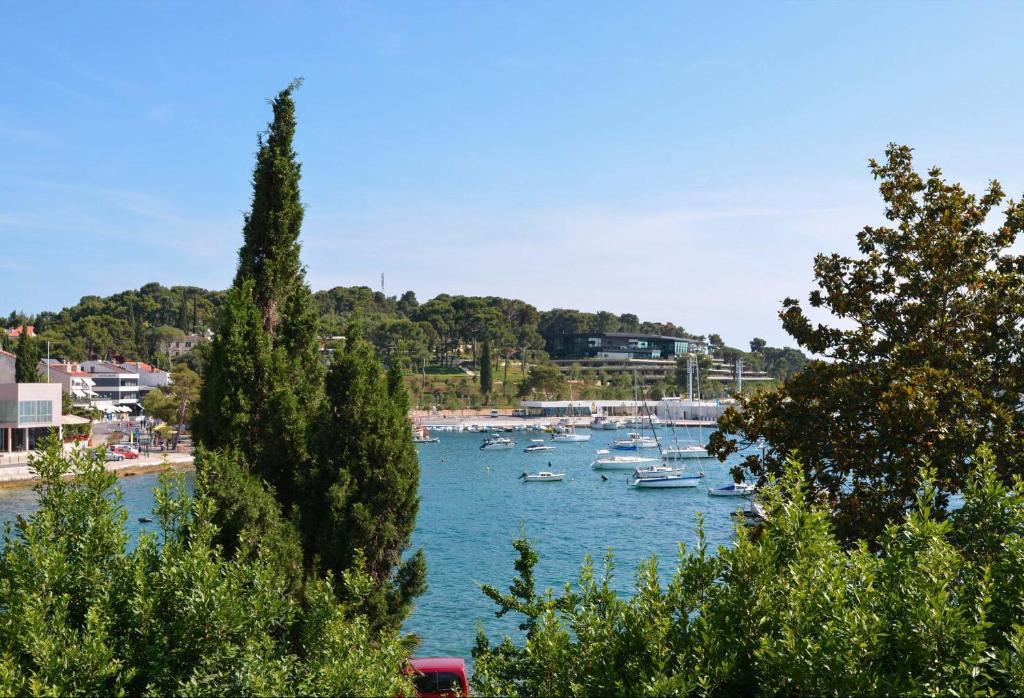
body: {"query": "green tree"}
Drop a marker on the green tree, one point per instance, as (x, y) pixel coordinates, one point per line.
(264, 378)
(486, 368)
(928, 363)
(361, 495)
(757, 345)
(545, 380)
(26, 364)
(87, 611)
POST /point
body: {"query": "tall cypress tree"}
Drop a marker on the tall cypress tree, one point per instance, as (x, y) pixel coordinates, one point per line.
(361, 500)
(26, 359)
(486, 369)
(264, 380)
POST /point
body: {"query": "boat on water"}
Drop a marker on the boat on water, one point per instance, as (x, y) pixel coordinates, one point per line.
(497, 442)
(604, 461)
(734, 489)
(679, 452)
(422, 436)
(570, 436)
(538, 446)
(542, 476)
(645, 421)
(665, 480)
(635, 441)
(601, 422)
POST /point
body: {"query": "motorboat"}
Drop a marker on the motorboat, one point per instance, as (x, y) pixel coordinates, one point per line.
(665, 480)
(634, 441)
(601, 422)
(537, 446)
(422, 436)
(678, 452)
(570, 435)
(496, 442)
(542, 476)
(609, 462)
(733, 489)
(644, 421)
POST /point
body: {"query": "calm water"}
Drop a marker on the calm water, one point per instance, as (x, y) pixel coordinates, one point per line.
(473, 506)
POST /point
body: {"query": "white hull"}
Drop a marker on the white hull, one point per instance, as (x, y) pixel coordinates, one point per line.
(621, 462)
(427, 441)
(571, 437)
(543, 477)
(538, 449)
(681, 453)
(497, 447)
(666, 482)
(732, 491)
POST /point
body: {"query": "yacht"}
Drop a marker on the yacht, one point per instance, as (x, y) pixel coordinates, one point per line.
(601, 422)
(635, 441)
(570, 435)
(537, 446)
(735, 489)
(678, 452)
(604, 461)
(496, 442)
(665, 480)
(542, 476)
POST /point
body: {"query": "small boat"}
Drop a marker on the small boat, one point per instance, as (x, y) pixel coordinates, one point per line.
(601, 422)
(570, 436)
(145, 519)
(422, 436)
(666, 480)
(542, 476)
(496, 442)
(735, 489)
(604, 462)
(677, 452)
(538, 445)
(634, 441)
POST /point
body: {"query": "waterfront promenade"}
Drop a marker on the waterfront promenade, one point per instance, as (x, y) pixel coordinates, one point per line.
(15, 473)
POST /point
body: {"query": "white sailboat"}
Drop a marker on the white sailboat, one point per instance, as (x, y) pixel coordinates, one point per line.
(604, 461)
(542, 476)
(496, 442)
(568, 433)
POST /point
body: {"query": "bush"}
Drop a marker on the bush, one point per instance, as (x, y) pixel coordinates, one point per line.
(84, 614)
(793, 612)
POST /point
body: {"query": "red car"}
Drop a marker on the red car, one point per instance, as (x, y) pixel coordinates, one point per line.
(439, 676)
(126, 451)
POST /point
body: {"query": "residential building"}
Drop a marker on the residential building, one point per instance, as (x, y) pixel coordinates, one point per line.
(186, 344)
(27, 412)
(117, 387)
(73, 380)
(15, 332)
(150, 377)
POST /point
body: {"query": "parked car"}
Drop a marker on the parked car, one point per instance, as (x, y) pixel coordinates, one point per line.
(126, 451)
(494, 413)
(114, 456)
(439, 676)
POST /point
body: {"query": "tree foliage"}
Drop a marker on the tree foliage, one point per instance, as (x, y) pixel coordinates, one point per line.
(360, 502)
(264, 378)
(788, 610)
(86, 612)
(26, 362)
(486, 369)
(927, 363)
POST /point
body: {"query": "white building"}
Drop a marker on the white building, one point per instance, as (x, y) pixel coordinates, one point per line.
(73, 381)
(150, 377)
(670, 408)
(186, 344)
(27, 412)
(116, 386)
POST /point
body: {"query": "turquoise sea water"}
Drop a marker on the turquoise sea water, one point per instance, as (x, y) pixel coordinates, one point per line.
(473, 506)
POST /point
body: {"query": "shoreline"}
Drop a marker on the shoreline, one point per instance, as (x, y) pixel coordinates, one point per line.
(22, 475)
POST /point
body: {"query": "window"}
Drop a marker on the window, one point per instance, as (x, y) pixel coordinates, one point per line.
(35, 412)
(9, 412)
(437, 682)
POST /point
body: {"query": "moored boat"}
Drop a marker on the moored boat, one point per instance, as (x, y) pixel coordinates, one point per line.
(634, 441)
(538, 446)
(496, 442)
(542, 476)
(734, 489)
(609, 462)
(677, 452)
(666, 481)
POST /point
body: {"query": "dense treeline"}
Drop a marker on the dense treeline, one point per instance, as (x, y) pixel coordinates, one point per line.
(441, 332)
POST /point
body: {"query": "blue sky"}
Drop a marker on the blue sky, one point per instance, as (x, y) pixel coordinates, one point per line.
(682, 162)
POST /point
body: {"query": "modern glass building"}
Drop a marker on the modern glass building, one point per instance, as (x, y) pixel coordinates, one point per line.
(27, 412)
(622, 345)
